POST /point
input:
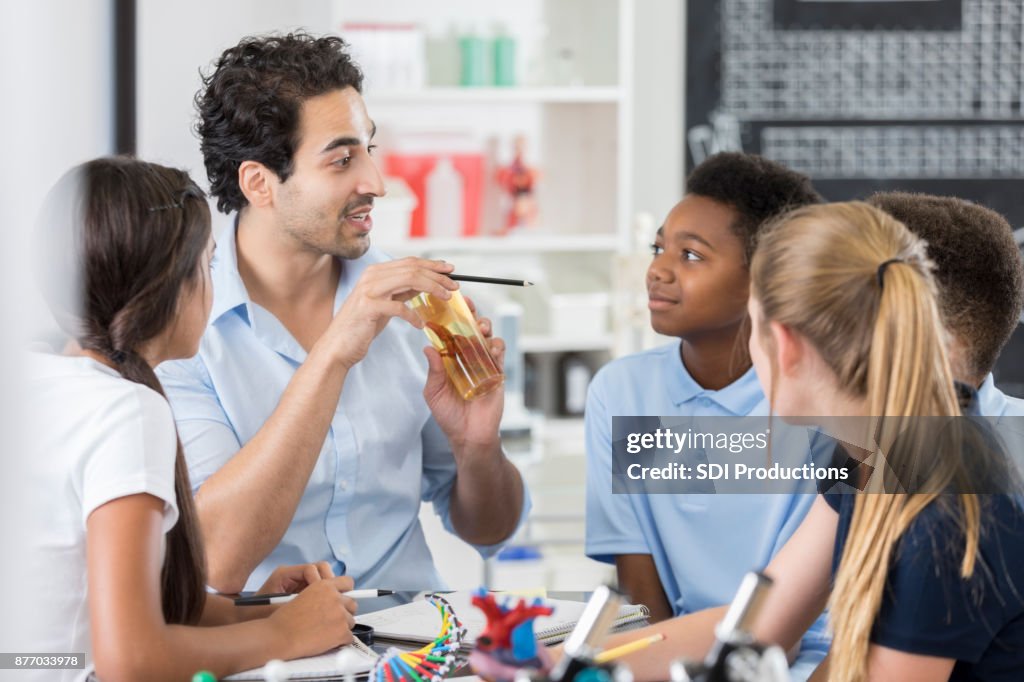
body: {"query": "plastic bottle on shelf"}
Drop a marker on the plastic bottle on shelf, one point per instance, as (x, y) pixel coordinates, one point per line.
(504, 58)
(475, 58)
(574, 375)
(443, 58)
(533, 48)
(444, 190)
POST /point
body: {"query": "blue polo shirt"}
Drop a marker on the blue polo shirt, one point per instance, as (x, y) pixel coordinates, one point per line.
(1009, 418)
(382, 456)
(702, 545)
(994, 403)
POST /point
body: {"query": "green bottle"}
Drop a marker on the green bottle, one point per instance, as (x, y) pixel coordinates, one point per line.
(504, 60)
(476, 62)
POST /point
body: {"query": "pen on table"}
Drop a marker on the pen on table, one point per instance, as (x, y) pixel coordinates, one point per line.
(268, 599)
(491, 280)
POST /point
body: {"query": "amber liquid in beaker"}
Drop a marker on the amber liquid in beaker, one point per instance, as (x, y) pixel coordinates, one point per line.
(452, 331)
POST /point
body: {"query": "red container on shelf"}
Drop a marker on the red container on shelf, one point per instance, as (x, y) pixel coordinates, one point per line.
(413, 159)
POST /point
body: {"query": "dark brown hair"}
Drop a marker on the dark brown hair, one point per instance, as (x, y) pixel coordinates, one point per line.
(249, 105)
(978, 268)
(132, 234)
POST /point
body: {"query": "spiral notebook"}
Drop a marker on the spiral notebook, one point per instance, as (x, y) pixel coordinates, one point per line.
(418, 621)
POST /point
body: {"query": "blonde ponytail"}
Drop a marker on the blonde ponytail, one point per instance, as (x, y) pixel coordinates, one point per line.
(857, 284)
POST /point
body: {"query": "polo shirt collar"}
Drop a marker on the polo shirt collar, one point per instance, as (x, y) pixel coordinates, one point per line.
(991, 401)
(739, 397)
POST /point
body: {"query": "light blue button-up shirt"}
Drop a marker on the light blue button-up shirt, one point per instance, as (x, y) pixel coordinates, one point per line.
(702, 545)
(383, 453)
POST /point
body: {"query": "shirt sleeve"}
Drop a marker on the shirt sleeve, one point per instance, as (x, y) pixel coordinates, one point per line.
(205, 431)
(927, 607)
(134, 453)
(612, 527)
(439, 472)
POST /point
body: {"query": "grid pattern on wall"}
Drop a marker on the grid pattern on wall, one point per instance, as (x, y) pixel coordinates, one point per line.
(913, 95)
(973, 73)
(864, 96)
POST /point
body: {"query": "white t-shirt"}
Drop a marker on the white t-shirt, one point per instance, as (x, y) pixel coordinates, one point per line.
(93, 437)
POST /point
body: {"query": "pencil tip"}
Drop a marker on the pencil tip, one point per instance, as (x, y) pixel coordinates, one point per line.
(527, 284)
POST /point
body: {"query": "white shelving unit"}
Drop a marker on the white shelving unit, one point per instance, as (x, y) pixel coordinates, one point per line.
(536, 343)
(524, 242)
(581, 138)
(496, 95)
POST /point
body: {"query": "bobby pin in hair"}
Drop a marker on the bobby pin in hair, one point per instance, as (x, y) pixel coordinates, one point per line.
(180, 203)
(154, 209)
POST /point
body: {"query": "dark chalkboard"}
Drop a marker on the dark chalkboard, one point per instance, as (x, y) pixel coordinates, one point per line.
(864, 96)
(892, 15)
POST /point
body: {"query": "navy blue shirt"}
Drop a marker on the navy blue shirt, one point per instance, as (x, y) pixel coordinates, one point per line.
(928, 609)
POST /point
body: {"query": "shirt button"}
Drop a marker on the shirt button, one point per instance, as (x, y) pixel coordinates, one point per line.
(343, 484)
(343, 549)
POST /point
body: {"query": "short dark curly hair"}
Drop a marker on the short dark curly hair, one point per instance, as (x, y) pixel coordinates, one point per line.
(978, 268)
(756, 188)
(249, 105)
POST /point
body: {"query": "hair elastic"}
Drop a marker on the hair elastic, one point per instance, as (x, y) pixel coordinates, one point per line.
(880, 273)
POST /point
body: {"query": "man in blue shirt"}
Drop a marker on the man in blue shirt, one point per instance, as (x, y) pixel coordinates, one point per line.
(312, 425)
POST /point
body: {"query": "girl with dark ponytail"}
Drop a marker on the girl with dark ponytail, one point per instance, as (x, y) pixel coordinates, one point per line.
(125, 248)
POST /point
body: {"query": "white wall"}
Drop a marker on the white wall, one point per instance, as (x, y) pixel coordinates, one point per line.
(658, 106)
(57, 112)
(58, 109)
(176, 40)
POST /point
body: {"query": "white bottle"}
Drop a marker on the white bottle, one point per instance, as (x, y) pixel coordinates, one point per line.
(575, 378)
(444, 192)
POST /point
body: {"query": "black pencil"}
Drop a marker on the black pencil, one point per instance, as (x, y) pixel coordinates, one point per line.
(492, 280)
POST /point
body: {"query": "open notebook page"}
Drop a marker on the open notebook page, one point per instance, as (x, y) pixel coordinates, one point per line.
(419, 621)
(320, 667)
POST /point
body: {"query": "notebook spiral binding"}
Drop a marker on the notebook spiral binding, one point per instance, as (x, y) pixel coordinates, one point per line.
(553, 635)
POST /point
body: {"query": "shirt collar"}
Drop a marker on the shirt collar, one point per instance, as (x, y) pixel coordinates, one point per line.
(228, 289)
(991, 401)
(739, 397)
